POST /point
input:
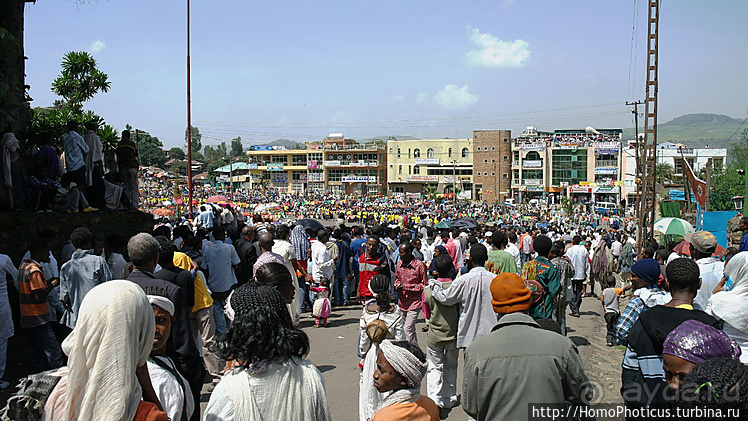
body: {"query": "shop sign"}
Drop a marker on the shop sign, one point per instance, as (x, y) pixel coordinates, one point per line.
(531, 188)
(359, 179)
(252, 166)
(538, 147)
(448, 179)
(533, 182)
(611, 171)
(535, 163)
(280, 178)
(580, 189)
(413, 195)
(315, 177)
(275, 166)
(335, 163)
(465, 194)
(607, 148)
(605, 189)
(422, 178)
(312, 165)
(568, 145)
(427, 161)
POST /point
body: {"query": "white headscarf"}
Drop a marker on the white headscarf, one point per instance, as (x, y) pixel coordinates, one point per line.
(162, 302)
(732, 306)
(113, 336)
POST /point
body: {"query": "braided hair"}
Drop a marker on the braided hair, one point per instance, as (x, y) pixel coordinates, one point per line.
(380, 286)
(717, 383)
(262, 330)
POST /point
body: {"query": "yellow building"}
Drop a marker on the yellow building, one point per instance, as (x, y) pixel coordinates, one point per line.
(442, 163)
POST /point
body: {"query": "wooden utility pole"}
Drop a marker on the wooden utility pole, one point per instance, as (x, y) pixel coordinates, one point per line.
(189, 118)
(647, 209)
(637, 170)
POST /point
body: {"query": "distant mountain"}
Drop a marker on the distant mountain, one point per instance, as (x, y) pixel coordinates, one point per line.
(697, 130)
(384, 138)
(287, 143)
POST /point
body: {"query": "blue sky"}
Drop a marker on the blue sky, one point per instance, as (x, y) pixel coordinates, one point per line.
(303, 69)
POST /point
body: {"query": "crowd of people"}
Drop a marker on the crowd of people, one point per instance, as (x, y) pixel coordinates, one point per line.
(217, 297)
(46, 177)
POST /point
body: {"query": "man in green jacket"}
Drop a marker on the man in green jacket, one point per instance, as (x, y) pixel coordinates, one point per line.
(519, 363)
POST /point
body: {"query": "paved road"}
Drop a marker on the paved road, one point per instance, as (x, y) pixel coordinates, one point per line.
(333, 350)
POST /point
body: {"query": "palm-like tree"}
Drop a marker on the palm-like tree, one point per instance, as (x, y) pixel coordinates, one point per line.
(80, 79)
(430, 191)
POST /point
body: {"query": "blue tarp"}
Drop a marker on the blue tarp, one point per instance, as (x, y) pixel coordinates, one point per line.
(716, 223)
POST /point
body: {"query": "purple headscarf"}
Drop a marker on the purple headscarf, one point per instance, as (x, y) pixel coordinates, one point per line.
(696, 342)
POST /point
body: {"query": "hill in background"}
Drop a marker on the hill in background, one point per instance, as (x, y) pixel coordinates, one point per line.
(697, 130)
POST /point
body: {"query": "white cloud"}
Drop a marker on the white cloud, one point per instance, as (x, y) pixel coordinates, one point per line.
(453, 97)
(507, 3)
(421, 98)
(493, 52)
(98, 46)
(397, 98)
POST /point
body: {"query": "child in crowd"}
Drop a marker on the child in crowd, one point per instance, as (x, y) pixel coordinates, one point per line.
(610, 297)
(171, 388)
(381, 319)
(321, 308)
(400, 370)
(442, 349)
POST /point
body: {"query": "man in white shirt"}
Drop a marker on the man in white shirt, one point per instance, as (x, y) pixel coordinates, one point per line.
(322, 264)
(578, 256)
(615, 250)
(473, 292)
(512, 249)
(703, 244)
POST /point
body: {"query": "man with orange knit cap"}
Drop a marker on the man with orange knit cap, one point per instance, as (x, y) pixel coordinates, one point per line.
(519, 363)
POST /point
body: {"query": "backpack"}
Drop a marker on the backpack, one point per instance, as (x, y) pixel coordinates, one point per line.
(530, 276)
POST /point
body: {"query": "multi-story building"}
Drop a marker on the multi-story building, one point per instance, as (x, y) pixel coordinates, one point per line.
(492, 164)
(414, 165)
(584, 165)
(336, 164)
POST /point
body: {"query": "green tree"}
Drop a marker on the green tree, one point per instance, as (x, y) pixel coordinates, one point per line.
(79, 79)
(176, 153)
(236, 147)
(150, 148)
(727, 182)
(197, 138)
(179, 168)
(430, 191)
(222, 150)
(664, 173)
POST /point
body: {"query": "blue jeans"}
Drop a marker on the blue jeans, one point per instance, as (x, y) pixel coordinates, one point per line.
(45, 352)
(576, 298)
(342, 290)
(219, 316)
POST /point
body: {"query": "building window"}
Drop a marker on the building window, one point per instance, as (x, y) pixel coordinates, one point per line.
(298, 159)
(493, 161)
(409, 170)
(417, 153)
(390, 150)
(398, 152)
(465, 152)
(506, 175)
(408, 153)
(678, 168)
(315, 156)
(449, 153)
(506, 140)
(717, 163)
(506, 157)
(485, 161)
(400, 169)
(430, 153)
(569, 166)
(416, 169)
(516, 155)
(493, 148)
(280, 159)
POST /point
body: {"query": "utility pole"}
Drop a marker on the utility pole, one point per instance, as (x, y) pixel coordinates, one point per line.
(637, 172)
(189, 118)
(649, 148)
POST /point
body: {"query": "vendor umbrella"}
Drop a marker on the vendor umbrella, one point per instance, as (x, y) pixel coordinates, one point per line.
(163, 212)
(310, 223)
(675, 227)
(217, 199)
(684, 249)
(443, 225)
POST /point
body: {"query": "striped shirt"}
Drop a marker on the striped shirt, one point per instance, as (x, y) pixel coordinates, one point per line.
(31, 279)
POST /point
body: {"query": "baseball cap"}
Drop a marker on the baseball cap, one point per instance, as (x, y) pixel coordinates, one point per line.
(703, 241)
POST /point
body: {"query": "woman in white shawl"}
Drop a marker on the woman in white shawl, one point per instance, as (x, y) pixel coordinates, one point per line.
(732, 306)
(380, 320)
(107, 353)
(271, 380)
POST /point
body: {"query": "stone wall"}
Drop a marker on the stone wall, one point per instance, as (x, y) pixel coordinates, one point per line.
(17, 229)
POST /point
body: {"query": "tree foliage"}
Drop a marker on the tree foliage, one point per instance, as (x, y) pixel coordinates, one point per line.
(197, 138)
(236, 147)
(79, 79)
(727, 182)
(664, 173)
(150, 148)
(177, 153)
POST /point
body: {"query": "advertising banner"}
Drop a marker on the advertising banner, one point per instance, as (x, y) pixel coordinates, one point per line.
(275, 166)
(427, 161)
(532, 163)
(422, 178)
(359, 179)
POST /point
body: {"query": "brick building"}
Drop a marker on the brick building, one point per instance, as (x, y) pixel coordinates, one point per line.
(492, 164)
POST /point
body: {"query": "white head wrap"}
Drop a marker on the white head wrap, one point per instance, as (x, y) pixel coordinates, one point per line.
(162, 302)
(404, 362)
(112, 337)
(732, 306)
